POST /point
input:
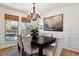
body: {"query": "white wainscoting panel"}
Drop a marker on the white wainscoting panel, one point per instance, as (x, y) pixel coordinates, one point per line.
(74, 41)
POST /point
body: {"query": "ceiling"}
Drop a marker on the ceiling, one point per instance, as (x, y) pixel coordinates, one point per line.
(41, 8)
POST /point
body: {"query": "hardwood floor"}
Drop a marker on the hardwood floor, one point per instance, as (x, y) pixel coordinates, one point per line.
(66, 52)
(12, 51)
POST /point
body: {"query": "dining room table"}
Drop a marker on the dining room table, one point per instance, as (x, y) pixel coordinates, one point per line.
(41, 42)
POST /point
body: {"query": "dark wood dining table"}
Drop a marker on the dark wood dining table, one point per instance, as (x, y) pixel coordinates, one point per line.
(41, 42)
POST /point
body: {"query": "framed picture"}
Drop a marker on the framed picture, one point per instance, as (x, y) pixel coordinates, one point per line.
(53, 23)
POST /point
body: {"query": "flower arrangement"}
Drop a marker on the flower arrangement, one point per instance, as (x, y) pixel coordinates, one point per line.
(34, 30)
(34, 33)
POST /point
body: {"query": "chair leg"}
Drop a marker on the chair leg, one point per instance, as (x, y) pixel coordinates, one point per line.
(23, 53)
(19, 49)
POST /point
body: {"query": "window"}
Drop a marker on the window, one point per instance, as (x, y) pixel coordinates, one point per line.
(11, 28)
(26, 25)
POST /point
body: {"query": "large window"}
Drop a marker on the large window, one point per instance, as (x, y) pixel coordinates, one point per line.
(11, 28)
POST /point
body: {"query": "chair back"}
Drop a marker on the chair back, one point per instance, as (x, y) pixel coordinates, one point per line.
(58, 47)
(27, 43)
(20, 41)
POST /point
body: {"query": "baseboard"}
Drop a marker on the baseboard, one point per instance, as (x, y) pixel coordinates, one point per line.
(7, 47)
(70, 50)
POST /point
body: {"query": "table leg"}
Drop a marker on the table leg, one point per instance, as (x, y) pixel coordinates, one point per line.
(40, 51)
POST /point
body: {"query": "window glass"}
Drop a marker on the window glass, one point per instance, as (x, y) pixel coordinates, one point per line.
(11, 30)
(26, 27)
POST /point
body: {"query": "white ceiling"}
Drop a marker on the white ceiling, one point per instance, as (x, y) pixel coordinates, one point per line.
(41, 8)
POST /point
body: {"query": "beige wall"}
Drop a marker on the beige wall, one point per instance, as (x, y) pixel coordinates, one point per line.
(71, 28)
(4, 10)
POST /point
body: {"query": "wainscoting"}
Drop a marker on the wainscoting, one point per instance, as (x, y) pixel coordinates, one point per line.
(71, 41)
(74, 41)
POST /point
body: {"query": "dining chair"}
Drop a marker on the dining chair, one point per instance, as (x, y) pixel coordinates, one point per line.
(28, 49)
(49, 50)
(58, 46)
(46, 50)
(55, 48)
(19, 41)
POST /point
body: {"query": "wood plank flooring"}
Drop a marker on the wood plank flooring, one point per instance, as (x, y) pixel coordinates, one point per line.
(12, 51)
(66, 52)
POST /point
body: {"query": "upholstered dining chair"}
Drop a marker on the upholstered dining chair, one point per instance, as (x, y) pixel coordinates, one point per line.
(58, 46)
(20, 44)
(55, 48)
(28, 49)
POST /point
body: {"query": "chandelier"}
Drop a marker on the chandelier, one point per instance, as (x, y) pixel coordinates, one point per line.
(34, 16)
